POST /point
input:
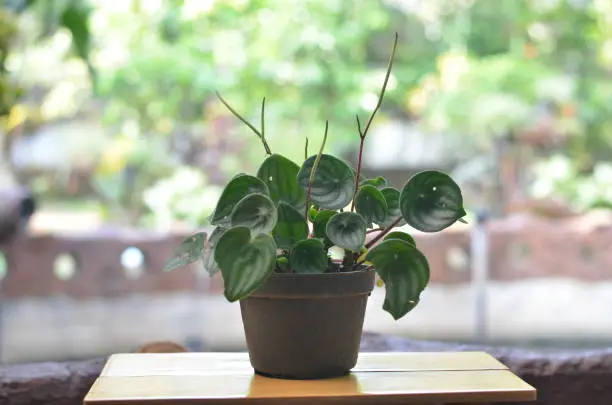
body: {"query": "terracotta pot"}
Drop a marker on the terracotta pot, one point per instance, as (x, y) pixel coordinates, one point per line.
(306, 326)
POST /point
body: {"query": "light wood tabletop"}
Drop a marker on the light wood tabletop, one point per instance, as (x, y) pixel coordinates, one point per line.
(378, 378)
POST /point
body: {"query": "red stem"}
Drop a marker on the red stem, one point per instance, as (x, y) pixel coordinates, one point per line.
(362, 134)
(383, 233)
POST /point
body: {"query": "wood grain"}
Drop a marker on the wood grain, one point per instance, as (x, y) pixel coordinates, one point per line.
(379, 378)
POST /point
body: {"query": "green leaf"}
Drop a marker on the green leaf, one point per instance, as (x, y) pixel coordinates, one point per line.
(239, 187)
(371, 204)
(401, 236)
(319, 223)
(312, 213)
(245, 263)
(405, 272)
(334, 182)
(256, 212)
(347, 230)
(282, 264)
(392, 197)
(308, 256)
(409, 307)
(208, 257)
(190, 250)
(431, 201)
(280, 175)
(379, 182)
(291, 227)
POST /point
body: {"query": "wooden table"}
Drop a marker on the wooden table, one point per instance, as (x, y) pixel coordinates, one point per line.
(378, 378)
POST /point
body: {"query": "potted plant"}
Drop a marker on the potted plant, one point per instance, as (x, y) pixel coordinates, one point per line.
(302, 309)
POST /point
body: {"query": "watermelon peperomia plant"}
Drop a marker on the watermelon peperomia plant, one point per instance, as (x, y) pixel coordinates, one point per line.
(287, 217)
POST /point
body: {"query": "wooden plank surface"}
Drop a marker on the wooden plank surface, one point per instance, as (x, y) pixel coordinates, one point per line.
(131, 365)
(379, 378)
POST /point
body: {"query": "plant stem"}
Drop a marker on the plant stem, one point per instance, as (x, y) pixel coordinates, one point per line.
(263, 123)
(315, 166)
(383, 233)
(364, 133)
(361, 142)
(375, 230)
(384, 87)
(306, 149)
(349, 259)
(247, 123)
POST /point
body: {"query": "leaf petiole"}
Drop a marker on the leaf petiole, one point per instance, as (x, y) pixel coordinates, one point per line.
(247, 123)
(315, 166)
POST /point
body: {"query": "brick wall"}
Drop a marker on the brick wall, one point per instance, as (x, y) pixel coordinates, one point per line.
(32, 267)
(519, 247)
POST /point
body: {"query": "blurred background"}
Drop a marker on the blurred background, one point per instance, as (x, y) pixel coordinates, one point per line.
(113, 147)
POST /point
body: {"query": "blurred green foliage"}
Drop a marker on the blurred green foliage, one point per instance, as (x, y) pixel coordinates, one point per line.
(558, 177)
(521, 55)
(474, 69)
(313, 60)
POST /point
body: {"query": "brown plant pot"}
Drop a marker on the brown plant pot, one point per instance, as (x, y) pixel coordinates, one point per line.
(306, 326)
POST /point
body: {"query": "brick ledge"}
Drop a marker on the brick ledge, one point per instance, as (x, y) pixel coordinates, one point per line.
(562, 378)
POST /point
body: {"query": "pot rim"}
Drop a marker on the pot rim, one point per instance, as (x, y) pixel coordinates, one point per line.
(321, 275)
(316, 286)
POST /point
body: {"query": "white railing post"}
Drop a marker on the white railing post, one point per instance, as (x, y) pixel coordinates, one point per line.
(479, 253)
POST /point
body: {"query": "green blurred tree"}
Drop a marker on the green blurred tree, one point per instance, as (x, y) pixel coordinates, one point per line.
(533, 72)
(315, 60)
(71, 15)
(477, 69)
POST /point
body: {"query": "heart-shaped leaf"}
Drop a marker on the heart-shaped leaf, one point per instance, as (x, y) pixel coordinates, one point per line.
(431, 201)
(239, 187)
(347, 230)
(409, 307)
(255, 211)
(308, 256)
(405, 272)
(379, 182)
(319, 223)
(291, 227)
(190, 250)
(333, 185)
(401, 236)
(392, 197)
(245, 263)
(371, 204)
(280, 175)
(208, 257)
